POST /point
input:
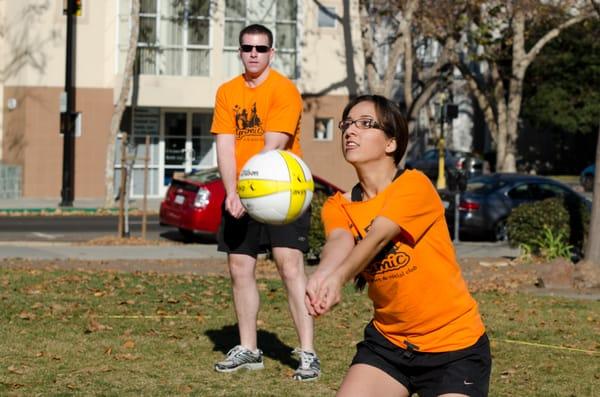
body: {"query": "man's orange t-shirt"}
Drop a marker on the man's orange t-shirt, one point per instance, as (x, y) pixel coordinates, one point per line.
(418, 292)
(275, 105)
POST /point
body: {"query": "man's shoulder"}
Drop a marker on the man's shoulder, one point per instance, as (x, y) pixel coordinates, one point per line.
(280, 78)
(235, 82)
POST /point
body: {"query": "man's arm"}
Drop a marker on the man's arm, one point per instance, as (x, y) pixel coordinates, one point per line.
(275, 140)
(227, 169)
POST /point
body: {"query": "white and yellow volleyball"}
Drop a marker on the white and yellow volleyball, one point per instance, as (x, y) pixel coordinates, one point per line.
(275, 187)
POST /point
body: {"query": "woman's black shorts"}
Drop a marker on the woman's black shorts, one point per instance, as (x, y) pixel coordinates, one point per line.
(466, 371)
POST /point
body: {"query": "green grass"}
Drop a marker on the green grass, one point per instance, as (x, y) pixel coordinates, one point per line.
(116, 334)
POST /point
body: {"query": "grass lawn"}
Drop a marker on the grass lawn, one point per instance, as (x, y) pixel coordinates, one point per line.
(119, 334)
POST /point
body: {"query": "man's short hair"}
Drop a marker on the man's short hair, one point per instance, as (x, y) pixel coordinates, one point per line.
(257, 29)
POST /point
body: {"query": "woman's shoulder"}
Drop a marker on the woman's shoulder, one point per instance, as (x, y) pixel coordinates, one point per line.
(338, 198)
(411, 176)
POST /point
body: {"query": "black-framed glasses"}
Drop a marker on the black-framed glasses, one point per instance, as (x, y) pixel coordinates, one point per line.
(362, 124)
(259, 48)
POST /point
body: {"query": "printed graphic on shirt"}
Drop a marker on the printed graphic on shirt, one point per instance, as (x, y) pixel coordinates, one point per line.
(391, 262)
(247, 123)
(390, 259)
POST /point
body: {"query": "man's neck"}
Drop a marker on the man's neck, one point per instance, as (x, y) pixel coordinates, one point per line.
(255, 81)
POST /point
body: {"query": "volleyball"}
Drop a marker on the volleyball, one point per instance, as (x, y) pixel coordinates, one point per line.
(275, 187)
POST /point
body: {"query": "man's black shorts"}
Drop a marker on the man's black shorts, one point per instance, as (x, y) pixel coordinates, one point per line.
(249, 237)
(466, 371)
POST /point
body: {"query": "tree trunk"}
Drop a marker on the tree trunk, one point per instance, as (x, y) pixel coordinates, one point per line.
(115, 122)
(592, 250)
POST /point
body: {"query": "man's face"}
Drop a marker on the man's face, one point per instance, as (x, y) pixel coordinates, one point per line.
(255, 62)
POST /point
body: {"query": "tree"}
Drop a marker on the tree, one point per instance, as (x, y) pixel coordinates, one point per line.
(589, 271)
(391, 34)
(119, 108)
(562, 89)
(502, 38)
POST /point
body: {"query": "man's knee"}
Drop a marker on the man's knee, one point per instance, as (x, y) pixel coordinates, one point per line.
(290, 263)
(241, 267)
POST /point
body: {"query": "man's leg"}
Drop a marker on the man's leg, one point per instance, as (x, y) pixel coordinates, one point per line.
(245, 297)
(290, 264)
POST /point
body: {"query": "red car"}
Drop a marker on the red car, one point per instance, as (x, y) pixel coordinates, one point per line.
(193, 202)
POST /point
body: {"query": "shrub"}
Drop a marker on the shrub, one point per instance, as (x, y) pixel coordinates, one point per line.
(549, 224)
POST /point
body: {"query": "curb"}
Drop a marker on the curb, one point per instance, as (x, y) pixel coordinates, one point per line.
(50, 210)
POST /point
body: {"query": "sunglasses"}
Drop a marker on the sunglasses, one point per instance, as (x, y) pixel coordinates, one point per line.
(259, 48)
(362, 124)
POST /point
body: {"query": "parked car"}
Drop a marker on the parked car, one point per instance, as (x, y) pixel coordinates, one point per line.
(489, 199)
(586, 178)
(193, 202)
(454, 161)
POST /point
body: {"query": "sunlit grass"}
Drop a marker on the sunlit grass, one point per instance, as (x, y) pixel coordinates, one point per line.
(106, 333)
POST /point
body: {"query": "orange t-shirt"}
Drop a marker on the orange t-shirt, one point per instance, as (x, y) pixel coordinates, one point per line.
(418, 293)
(275, 105)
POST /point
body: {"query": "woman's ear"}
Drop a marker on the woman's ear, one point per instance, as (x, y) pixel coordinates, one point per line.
(391, 146)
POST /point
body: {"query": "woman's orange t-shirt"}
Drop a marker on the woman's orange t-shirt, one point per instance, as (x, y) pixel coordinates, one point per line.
(275, 105)
(418, 292)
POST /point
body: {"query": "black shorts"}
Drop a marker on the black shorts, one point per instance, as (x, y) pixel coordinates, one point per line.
(249, 237)
(466, 371)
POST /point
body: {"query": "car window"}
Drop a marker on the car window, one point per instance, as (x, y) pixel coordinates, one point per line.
(545, 190)
(204, 176)
(430, 155)
(521, 192)
(484, 185)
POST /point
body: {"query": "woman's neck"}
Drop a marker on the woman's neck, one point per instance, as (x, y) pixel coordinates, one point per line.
(374, 178)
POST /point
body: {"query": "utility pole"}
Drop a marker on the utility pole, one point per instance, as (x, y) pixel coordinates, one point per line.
(68, 116)
(441, 179)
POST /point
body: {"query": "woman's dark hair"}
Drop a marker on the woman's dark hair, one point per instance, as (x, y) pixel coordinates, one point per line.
(257, 29)
(391, 120)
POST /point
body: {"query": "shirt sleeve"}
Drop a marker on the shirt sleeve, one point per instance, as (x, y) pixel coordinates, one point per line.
(285, 109)
(413, 204)
(333, 215)
(223, 118)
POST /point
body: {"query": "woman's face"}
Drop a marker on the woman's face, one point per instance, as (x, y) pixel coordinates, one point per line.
(360, 143)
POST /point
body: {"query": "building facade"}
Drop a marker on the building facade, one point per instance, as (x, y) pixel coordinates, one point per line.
(186, 49)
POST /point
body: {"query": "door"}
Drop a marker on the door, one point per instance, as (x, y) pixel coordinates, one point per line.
(187, 144)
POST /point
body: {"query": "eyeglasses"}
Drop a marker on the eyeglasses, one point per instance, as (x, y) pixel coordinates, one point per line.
(259, 48)
(362, 124)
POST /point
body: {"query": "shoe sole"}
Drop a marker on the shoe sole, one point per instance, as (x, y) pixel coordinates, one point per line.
(299, 379)
(248, 366)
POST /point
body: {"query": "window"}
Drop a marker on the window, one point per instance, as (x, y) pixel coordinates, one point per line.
(326, 17)
(521, 192)
(279, 16)
(323, 129)
(174, 37)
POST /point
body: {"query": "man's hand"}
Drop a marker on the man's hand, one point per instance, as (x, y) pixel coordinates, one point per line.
(234, 206)
(323, 292)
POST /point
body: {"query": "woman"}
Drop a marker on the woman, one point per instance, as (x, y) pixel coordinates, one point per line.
(426, 335)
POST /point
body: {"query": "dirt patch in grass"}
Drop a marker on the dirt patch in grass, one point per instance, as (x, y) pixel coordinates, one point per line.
(481, 274)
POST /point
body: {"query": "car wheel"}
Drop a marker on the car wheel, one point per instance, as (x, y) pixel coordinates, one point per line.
(499, 231)
(588, 183)
(188, 235)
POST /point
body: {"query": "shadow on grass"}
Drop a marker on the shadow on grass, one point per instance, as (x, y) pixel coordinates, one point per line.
(272, 347)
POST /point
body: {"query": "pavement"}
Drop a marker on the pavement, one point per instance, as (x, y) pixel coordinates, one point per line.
(77, 251)
(52, 204)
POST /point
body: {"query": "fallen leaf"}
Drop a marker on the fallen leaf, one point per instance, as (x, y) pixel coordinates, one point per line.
(129, 344)
(26, 315)
(95, 326)
(15, 370)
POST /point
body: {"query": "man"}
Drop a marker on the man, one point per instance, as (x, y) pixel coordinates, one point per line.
(256, 112)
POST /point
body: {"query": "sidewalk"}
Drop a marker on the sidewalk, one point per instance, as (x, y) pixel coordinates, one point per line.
(51, 204)
(49, 251)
